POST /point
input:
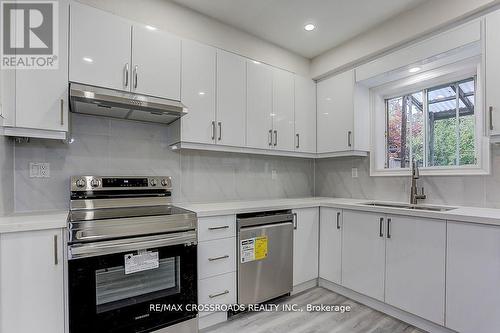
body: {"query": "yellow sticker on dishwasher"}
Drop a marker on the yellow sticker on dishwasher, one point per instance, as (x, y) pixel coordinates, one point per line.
(260, 247)
(252, 249)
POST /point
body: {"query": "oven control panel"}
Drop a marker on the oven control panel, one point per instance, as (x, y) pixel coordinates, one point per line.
(99, 183)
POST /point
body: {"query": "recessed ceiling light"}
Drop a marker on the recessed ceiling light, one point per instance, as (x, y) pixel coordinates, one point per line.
(87, 59)
(150, 27)
(201, 93)
(256, 62)
(414, 69)
(309, 27)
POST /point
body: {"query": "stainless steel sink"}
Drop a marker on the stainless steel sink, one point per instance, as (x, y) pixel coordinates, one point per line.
(408, 206)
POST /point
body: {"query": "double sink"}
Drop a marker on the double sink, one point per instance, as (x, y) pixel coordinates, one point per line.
(409, 206)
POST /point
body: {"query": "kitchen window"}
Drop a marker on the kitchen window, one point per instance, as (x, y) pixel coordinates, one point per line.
(434, 126)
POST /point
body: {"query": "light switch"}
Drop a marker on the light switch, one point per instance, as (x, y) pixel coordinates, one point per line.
(274, 175)
(39, 170)
(354, 172)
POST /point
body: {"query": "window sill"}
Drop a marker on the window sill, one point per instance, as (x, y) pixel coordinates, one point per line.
(439, 171)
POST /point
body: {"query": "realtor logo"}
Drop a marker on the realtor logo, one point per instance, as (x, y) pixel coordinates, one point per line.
(29, 34)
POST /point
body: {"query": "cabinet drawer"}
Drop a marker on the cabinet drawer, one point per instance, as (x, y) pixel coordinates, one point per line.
(216, 257)
(219, 289)
(216, 227)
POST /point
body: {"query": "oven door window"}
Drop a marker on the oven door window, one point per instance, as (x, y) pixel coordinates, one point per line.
(115, 289)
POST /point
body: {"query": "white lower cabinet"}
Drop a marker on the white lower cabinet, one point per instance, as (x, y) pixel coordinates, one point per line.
(473, 278)
(330, 244)
(415, 266)
(363, 253)
(32, 282)
(216, 265)
(305, 245)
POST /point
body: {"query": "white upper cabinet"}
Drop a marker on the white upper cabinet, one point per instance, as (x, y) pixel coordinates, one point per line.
(283, 110)
(305, 245)
(259, 105)
(32, 279)
(231, 99)
(305, 115)
(198, 92)
(473, 278)
(41, 96)
(330, 244)
(363, 253)
(156, 63)
(492, 44)
(342, 115)
(100, 48)
(415, 266)
(335, 113)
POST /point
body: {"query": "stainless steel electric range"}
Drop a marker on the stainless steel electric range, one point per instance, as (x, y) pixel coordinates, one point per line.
(130, 253)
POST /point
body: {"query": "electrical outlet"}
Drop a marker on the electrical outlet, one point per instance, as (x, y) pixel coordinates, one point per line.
(274, 175)
(39, 170)
(354, 172)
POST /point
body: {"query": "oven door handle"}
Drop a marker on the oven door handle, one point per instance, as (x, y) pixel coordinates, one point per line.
(76, 251)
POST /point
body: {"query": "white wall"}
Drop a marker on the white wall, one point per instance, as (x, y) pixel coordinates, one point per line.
(416, 23)
(189, 24)
(6, 176)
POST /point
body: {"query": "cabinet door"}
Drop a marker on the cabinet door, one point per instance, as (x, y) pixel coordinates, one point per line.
(231, 99)
(305, 245)
(492, 54)
(156, 59)
(31, 280)
(305, 115)
(100, 48)
(335, 113)
(472, 278)
(42, 95)
(198, 92)
(283, 109)
(415, 266)
(330, 244)
(259, 105)
(363, 253)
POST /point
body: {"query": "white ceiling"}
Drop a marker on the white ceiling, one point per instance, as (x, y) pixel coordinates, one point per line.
(282, 21)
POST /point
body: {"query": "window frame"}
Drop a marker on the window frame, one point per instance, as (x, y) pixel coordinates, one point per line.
(378, 96)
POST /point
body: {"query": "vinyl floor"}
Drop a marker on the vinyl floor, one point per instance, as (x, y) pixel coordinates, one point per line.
(361, 319)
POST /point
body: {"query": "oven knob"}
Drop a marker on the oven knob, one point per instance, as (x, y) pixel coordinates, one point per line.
(80, 182)
(165, 182)
(94, 182)
(153, 182)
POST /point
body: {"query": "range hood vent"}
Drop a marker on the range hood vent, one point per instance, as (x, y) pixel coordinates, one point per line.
(124, 105)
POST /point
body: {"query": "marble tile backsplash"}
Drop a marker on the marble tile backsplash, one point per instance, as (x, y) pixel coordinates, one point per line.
(334, 178)
(116, 147)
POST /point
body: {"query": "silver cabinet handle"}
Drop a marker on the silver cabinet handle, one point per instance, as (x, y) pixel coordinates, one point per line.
(136, 76)
(218, 258)
(381, 232)
(295, 222)
(62, 111)
(219, 294)
(349, 144)
(56, 257)
(298, 140)
(338, 220)
(126, 74)
(491, 118)
(270, 137)
(213, 130)
(218, 228)
(389, 228)
(220, 130)
(275, 137)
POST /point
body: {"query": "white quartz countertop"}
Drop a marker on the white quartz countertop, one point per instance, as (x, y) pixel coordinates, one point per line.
(33, 221)
(58, 219)
(464, 214)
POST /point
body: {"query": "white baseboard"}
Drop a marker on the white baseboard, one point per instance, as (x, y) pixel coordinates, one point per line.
(385, 308)
(304, 286)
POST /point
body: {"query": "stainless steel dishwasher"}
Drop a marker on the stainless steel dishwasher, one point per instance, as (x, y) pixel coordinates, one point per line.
(265, 255)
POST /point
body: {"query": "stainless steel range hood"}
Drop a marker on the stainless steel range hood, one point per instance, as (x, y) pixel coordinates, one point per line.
(123, 105)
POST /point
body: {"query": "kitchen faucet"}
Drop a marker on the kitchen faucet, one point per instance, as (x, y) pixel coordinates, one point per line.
(414, 196)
